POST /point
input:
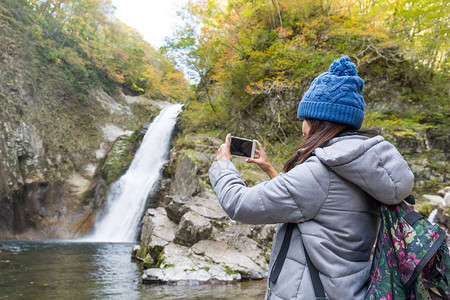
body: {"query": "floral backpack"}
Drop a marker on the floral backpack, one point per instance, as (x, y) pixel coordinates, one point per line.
(411, 259)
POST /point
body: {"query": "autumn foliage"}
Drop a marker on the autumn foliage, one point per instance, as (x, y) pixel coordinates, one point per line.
(253, 60)
(93, 48)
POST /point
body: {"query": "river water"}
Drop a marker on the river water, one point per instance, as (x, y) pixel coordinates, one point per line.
(79, 270)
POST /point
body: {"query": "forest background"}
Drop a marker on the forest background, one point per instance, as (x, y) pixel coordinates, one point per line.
(253, 61)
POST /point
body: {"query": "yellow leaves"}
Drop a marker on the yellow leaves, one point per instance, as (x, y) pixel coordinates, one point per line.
(135, 88)
(393, 126)
(285, 32)
(268, 86)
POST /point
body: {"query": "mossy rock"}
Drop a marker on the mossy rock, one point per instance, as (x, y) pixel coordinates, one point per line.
(148, 262)
(121, 156)
(154, 256)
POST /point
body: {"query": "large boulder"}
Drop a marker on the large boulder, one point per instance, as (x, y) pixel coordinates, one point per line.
(193, 228)
(181, 265)
(205, 204)
(157, 232)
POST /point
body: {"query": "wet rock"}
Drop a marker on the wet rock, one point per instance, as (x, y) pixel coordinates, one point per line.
(193, 228)
(135, 252)
(152, 276)
(147, 228)
(157, 232)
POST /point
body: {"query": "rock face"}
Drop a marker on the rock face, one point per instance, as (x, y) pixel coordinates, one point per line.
(191, 239)
(426, 176)
(52, 153)
(185, 183)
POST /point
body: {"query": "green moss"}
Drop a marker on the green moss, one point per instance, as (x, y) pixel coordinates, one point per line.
(154, 257)
(157, 254)
(142, 252)
(424, 208)
(189, 270)
(230, 271)
(148, 262)
(121, 156)
(166, 266)
(87, 196)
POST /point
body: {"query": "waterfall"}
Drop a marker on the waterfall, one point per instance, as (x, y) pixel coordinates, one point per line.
(126, 198)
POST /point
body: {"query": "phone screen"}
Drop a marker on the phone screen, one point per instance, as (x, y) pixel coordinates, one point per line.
(242, 147)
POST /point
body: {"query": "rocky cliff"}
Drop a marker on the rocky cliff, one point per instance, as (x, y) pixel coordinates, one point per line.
(187, 237)
(67, 129)
(55, 155)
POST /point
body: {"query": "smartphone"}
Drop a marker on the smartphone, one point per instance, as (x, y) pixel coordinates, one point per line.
(242, 147)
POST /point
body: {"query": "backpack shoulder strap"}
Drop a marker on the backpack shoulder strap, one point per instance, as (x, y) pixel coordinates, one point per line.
(282, 255)
(317, 283)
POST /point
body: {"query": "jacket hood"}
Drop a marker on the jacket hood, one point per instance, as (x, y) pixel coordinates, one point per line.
(373, 164)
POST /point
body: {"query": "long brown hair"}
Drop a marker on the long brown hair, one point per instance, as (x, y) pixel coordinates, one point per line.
(320, 132)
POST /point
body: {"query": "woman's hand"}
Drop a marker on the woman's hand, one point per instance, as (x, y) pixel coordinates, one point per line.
(262, 161)
(223, 153)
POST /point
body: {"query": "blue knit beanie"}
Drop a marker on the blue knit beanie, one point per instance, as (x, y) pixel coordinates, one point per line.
(335, 95)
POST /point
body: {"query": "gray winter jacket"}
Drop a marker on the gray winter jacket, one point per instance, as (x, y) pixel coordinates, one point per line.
(330, 196)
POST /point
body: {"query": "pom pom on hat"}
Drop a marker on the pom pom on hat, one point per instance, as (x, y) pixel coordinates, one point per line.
(343, 67)
(335, 95)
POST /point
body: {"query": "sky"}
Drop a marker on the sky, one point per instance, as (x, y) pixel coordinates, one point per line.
(154, 19)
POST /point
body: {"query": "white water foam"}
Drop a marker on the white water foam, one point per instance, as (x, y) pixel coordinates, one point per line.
(127, 196)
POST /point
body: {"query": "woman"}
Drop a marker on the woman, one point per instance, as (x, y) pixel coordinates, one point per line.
(330, 189)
